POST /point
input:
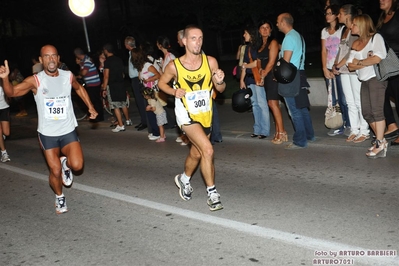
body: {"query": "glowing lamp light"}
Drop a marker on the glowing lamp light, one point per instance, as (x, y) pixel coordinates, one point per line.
(81, 8)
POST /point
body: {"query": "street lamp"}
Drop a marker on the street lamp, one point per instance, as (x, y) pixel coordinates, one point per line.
(82, 8)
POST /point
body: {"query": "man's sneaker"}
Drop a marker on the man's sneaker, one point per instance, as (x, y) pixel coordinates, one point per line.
(214, 202)
(178, 139)
(129, 122)
(118, 129)
(335, 132)
(66, 173)
(5, 158)
(152, 137)
(185, 190)
(60, 205)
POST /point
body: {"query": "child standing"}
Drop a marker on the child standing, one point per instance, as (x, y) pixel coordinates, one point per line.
(155, 106)
(4, 124)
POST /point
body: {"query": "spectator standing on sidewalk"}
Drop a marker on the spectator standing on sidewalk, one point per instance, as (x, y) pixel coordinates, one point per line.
(330, 40)
(260, 108)
(367, 51)
(130, 45)
(350, 83)
(154, 105)
(114, 79)
(88, 71)
(292, 50)
(195, 75)
(388, 26)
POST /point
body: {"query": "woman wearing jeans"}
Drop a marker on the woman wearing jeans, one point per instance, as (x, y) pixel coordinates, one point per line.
(330, 40)
(260, 107)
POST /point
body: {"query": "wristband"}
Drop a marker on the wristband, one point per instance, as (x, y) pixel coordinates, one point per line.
(221, 83)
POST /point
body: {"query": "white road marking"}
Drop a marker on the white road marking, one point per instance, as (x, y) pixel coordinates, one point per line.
(309, 243)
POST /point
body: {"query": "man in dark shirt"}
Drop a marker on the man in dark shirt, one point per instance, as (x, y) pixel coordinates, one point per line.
(114, 81)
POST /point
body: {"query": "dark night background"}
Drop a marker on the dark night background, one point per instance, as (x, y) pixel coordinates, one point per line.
(25, 25)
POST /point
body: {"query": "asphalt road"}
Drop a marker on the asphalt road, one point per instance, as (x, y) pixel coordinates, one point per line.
(281, 207)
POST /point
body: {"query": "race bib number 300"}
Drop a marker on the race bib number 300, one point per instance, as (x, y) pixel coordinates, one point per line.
(55, 108)
(198, 101)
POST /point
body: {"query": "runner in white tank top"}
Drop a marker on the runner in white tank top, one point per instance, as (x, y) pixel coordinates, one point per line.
(56, 126)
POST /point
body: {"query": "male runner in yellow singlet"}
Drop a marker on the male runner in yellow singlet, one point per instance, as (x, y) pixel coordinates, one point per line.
(195, 76)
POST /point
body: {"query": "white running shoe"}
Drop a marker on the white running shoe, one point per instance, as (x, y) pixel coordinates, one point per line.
(129, 122)
(214, 202)
(60, 205)
(152, 137)
(66, 173)
(5, 158)
(185, 190)
(118, 129)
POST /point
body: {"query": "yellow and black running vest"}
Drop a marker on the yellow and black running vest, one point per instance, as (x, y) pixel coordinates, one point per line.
(196, 106)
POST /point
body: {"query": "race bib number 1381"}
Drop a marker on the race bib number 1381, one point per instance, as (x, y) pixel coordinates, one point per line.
(56, 108)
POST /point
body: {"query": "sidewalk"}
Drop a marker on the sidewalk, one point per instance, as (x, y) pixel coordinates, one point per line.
(233, 124)
(240, 125)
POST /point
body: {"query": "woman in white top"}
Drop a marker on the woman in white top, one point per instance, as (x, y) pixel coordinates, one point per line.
(149, 77)
(367, 51)
(330, 39)
(163, 44)
(169, 55)
(350, 83)
(4, 123)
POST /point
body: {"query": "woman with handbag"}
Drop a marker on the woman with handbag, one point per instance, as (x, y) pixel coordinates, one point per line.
(350, 83)
(250, 77)
(367, 51)
(330, 40)
(149, 75)
(267, 56)
(388, 27)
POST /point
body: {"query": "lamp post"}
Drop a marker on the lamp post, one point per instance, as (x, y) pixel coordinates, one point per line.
(82, 8)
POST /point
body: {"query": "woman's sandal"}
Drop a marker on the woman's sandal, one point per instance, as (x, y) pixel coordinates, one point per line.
(379, 150)
(254, 135)
(280, 137)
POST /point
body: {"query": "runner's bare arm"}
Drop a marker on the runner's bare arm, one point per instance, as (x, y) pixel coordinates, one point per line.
(169, 74)
(82, 93)
(217, 75)
(28, 84)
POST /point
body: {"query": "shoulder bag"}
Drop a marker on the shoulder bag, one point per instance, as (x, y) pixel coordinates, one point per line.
(285, 72)
(333, 116)
(255, 70)
(387, 67)
(290, 83)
